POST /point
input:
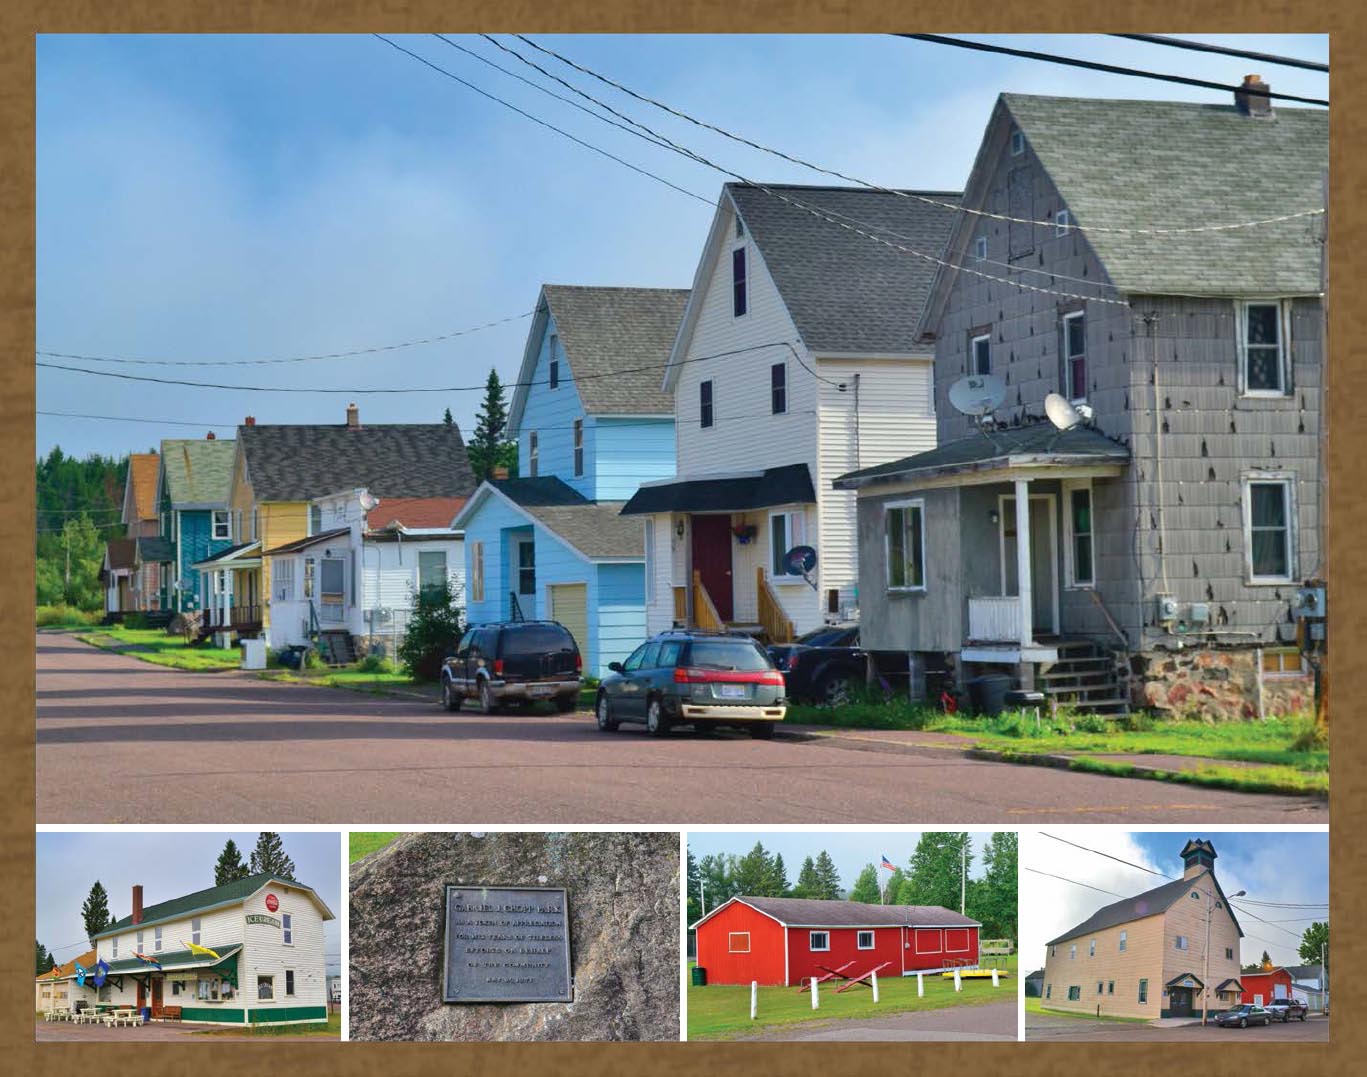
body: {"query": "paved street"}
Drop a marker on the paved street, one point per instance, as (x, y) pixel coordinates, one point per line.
(1040, 1027)
(994, 1021)
(119, 740)
(159, 1032)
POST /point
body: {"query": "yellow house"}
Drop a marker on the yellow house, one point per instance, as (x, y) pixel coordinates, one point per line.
(1169, 952)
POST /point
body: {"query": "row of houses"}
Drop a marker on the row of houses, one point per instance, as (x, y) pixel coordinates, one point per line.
(676, 446)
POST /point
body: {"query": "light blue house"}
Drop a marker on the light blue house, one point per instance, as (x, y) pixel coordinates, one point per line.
(592, 424)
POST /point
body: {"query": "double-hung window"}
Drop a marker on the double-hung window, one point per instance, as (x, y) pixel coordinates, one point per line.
(819, 940)
(1075, 355)
(282, 579)
(431, 571)
(533, 453)
(578, 447)
(1124, 940)
(785, 532)
(980, 361)
(740, 300)
(156, 939)
(1074, 993)
(1269, 508)
(1262, 336)
(223, 524)
(864, 940)
(196, 931)
(705, 403)
(778, 388)
(287, 928)
(315, 519)
(1081, 568)
(904, 526)
(1180, 943)
(553, 366)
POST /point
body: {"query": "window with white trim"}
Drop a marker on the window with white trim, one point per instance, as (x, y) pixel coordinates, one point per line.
(1091, 948)
(282, 579)
(156, 939)
(785, 532)
(287, 929)
(431, 571)
(1063, 222)
(1181, 942)
(265, 988)
(533, 454)
(904, 536)
(980, 357)
(1075, 355)
(705, 403)
(1124, 940)
(1268, 512)
(1143, 991)
(980, 248)
(1262, 340)
(578, 448)
(114, 947)
(196, 926)
(1080, 544)
(140, 948)
(222, 524)
(740, 300)
(1072, 952)
(778, 388)
(738, 942)
(1283, 662)
(310, 574)
(289, 982)
(1048, 990)
(476, 572)
(818, 940)
(864, 940)
(1074, 993)
(315, 519)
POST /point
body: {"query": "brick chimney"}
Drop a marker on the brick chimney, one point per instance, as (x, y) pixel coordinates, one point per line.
(137, 904)
(500, 472)
(209, 436)
(353, 417)
(250, 420)
(1256, 103)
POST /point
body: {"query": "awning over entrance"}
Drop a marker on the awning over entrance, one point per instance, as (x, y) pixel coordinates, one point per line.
(1185, 979)
(1230, 985)
(225, 964)
(243, 555)
(787, 485)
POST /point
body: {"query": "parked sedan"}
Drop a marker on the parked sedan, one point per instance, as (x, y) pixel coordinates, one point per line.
(1243, 1016)
(694, 678)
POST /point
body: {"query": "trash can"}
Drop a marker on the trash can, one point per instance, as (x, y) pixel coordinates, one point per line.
(988, 693)
(146, 1014)
(253, 654)
(699, 976)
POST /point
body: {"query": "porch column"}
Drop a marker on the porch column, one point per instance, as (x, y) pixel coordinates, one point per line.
(1023, 561)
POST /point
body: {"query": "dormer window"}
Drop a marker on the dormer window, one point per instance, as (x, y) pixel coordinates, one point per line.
(1063, 222)
(553, 365)
(739, 298)
(1017, 143)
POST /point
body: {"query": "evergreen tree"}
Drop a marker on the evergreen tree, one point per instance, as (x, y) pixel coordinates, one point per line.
(230, 866)
(754, 872)
(1315, 937)
(717, 878)
(42, 960)
(993, 898)
(270, 856)
(935, 871)
(447, 419)
(95, 911)
(827, 878)
(865, 887)
(776, 885)
(693, 877)
(489, 449)
(807, 885)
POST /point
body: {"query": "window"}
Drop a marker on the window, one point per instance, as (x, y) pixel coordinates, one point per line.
(1091, 948)
(1229, 953)
(533, 453)
(114, 946)
(1017, 143)
(1124, 940)
(310, 568)
(980, 248)
(778, 388)
(1072, 952)
(1264, 351)
(669, 655)
(738, 942)
(1267, 530)
(1180, 942)
(1143, 991)
(740, 227)
(431, 570)
(289, 982)
(1195, 896)
(650, 559)
(1075, 355)
(265, 988)
(739, 300)
(476, 572)
(526, 567)
(705, 403)
(1283, 662)
(553, 379)
(904, 526)
(864, 940)
(1099, 987)
(819, 940)
(578, 447)
(1053, 951)
(785, 532)
(315, 519)
(1081, 572)
(1063, 222)
(980, 361)
(1074, 993)
(282, 579)
(1110, 987)
(140, 948)
(636, 658)
(195, 925)
(1048, 990)
(156, 939)
(223, 524)
(287, 928)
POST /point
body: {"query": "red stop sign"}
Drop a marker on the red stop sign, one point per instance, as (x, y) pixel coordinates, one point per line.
(272, 902)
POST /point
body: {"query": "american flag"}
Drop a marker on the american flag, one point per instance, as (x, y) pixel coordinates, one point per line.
(888, 864)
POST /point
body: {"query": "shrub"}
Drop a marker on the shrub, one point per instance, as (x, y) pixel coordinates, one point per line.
(313, 660)
(1092, 723)
(375, 663)
(136, 619)
(61, 615)
(433, 631)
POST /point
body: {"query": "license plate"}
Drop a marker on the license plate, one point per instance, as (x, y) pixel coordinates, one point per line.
(542, 690)
(730, 691)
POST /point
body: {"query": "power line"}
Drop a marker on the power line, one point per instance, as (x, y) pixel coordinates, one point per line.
(1270, 923)
(1288, 904)
(1201, 46)
(950, 206)
(1110, 69)
(1063, 878)
(1108, 856)
(133, 419)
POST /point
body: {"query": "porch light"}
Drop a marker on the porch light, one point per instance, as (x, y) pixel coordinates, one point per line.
(994, 517)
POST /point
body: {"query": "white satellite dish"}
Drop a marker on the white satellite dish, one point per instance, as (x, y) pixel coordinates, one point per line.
(1061, 413)
(368, 500)
(977, 394)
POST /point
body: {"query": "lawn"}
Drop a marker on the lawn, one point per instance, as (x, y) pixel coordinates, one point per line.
(719, 1012)
(154, 645)
(1036, 1005)
(332, 1029)
(352, 678)
(365, 842)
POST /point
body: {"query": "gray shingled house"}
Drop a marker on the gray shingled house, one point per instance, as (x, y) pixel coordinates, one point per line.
(1161, 542)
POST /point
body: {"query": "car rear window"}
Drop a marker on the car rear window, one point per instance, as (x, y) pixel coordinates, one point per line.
(727, 654)
(536, 639)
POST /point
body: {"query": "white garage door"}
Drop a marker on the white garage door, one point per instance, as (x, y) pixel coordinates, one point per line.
(569, 604)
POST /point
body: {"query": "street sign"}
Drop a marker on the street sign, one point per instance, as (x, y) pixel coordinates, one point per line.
(506, 944)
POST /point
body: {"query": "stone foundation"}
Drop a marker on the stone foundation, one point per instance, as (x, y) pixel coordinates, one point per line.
(1216, 683)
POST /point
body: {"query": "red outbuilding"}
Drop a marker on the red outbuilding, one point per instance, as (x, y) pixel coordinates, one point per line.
(1261, 988)
(788, 940)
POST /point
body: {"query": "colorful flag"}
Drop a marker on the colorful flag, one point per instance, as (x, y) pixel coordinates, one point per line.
(196, 948)
(888, 864)
(147, 960)
(80, 974)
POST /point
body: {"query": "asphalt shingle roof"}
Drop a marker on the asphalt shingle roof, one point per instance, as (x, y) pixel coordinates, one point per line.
(1149, 903)
(142, 473)
(594, 528)
(121, 552)
(297, 463)
(608, 333)
(804, 912)
(846, 292)
(153, 549)
(237, 890)
(1181, 164)
(542, 490)
(198, 471)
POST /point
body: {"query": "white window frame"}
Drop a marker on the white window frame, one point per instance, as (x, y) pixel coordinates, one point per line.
(794, 534)
(1068, 357)
(732, 936)
(445, 565)
(650, 559)
(1281, 654)
(226, 524)
(114, 947)
(533, 453)
(918, 504)
(1181, 942)
(578, 448)
(315, 520)
(980, 248)
(859, 940)
(270, 981)
(811, 942)
(196, 930)
(1091, 948)
(1017, 143)
(1063, 222)
(1124, 941)
(744, 249)
(156, 940)
(286, 929)
(1287, 480)
(142, 949)
(283, 579)
(1072, 952)
(1071, 581)
(973, 368)
(1283, 307)
(477, 572)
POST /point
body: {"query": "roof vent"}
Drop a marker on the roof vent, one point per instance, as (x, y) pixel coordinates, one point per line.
(1252, 98)
(353, 417)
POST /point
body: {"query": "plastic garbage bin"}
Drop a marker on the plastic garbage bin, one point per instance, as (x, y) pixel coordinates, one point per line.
(988, 693)
(699, 976)
(146, 1012)
(253, 654)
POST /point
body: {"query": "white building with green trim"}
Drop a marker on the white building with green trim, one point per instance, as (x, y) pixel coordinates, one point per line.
(249, 952)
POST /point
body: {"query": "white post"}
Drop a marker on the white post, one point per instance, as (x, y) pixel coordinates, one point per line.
(815, 1002)
(754, 997)
(920, 985)
(1023, 561)
(874, 982)
(994, 979)
(958, 985)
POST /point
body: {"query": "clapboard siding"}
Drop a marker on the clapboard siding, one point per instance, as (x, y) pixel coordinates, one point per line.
(618, 618)
(623, 453)
(265, 953)
(550, 414)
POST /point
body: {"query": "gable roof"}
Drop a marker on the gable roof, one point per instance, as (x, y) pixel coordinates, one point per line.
(414, 512)
(595, 529)
(197, 472)
(805, 912)
(142, 481)
(212, 897)
(300, 462)
(120, 553)
(60, 972)
(153, 549)
(1149, 903)
(616, 341)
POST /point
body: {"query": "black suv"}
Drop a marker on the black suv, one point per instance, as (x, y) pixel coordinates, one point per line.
(517, 661)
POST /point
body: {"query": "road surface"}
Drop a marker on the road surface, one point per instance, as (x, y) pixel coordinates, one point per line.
(125, 741)
(1047, 1027)
(993, 1021)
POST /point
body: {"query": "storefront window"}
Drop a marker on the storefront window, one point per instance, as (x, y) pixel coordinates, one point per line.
(265, 988)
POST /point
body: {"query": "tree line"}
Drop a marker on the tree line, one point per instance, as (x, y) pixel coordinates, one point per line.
(78, 503)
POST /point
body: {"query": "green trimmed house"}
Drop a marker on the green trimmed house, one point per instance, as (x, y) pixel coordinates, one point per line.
(193, 482)
(249, 952)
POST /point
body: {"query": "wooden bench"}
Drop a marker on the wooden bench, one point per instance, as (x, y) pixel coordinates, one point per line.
(170, 1013)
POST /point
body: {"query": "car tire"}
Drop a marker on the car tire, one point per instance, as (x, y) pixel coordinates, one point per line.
(449, 699)
(1302, 1017)
(565, 704)
(836, 689)
(762, 730)
(657, 724)
(487, 703)
(603, 710)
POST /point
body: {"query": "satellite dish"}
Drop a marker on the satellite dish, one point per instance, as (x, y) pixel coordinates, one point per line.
(800, 560)
(1061, 413)
(368, 500)
(977, 394)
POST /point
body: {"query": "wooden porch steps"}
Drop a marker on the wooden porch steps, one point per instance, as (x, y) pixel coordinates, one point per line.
(335, 647)
(1085, 678)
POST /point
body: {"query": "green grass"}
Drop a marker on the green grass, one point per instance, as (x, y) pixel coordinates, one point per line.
(154, 645)
(722, 1011)
(352, 678)
(64, 616)
(1036, 1005)
(1284, 780)
(365, 842)
(332, 1028)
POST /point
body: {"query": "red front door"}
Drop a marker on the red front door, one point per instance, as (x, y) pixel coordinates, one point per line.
(156, 997)
(142, 994)
(712, 560)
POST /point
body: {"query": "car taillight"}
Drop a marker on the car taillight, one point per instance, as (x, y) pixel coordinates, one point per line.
(498, 667)
(578, 662)
(686, 675)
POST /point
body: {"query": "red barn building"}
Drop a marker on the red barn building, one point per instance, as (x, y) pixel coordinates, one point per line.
(787, 940)
(1261, 988)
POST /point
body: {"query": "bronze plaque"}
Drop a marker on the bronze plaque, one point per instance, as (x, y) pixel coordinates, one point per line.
(507, 944)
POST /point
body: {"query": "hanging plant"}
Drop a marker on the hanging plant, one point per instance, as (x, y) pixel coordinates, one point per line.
(744, 533)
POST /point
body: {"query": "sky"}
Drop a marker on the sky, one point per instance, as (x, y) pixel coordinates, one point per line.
(1286, 866)
(850, 851)
(167, 865)
(206, 198)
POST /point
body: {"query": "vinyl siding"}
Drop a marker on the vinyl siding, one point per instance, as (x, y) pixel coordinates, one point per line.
(264, 953)
(623, 453)
(667, 570)
(551, 414)
(195, 543)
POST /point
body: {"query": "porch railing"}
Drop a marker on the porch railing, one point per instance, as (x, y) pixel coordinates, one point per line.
(705, 614)
(236, 617)
(681, 605)
(995, 619)
(776, 623)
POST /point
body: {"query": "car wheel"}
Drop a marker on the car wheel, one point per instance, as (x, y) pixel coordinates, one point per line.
(837, 689)
(762, 730)
(487, 703)
(449, 699)
(1302, 1017)
(1243, 1022)
(606, 722)
(657, 725)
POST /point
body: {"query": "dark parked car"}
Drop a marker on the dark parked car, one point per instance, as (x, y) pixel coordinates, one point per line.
(517, 661)
(1243, 1016)
(1283, 1009)
(827, 665)
(694, 678)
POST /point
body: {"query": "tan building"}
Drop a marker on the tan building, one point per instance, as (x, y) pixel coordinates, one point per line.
(1168, 952)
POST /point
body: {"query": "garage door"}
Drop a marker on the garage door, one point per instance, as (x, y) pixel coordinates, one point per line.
(569, 604)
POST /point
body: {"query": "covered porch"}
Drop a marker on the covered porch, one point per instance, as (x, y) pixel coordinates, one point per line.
(230, 592)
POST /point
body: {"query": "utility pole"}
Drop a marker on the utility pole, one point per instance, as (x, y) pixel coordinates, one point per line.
(1205, 976)
(963, 873)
